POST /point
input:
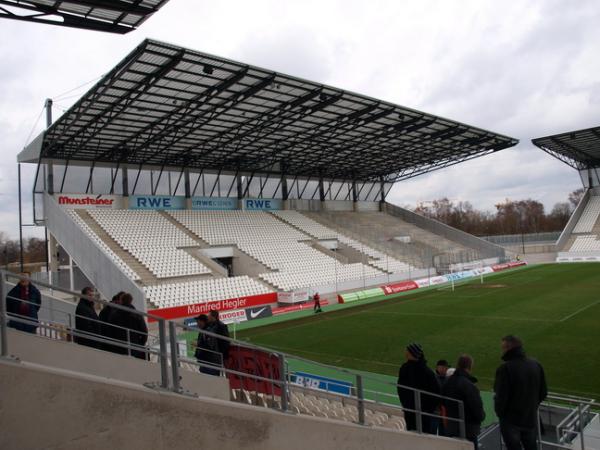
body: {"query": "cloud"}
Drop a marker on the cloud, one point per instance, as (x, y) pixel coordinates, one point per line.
(524, 69)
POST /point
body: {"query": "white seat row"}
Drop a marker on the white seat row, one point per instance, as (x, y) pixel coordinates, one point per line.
(105, 248)
(585, 243)
(589, 217)
(153, 240)
(319, 231)
(199, 291)
(326, 275)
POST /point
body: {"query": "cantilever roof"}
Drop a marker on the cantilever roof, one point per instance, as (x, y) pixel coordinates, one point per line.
(579, 149)
(169, 106)
(115, 16)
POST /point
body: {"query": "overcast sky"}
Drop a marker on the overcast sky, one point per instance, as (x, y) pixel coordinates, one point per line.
(520, 68)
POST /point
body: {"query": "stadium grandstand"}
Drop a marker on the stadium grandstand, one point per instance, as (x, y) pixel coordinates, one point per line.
(580, 149)
(204, 187)
(112, 16)
(187, 178)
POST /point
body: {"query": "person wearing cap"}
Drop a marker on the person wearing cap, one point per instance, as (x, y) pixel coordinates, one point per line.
(415, 374)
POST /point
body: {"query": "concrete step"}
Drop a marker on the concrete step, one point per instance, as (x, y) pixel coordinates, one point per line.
(146, 277)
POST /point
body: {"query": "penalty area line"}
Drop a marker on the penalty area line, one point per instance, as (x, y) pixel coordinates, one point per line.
(579, 311)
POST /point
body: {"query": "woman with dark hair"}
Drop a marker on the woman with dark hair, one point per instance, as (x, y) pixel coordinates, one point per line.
(105, 326)
(129, 328)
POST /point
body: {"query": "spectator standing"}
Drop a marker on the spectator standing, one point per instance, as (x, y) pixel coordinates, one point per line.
(519, 387)
(415, 374)
(220, 345)
(441, 369)
(317, 305)
(86, 321)
(105, 326)
(24, 301)
(441, 372)
(461, 386)
(128, 327)
(206, 350)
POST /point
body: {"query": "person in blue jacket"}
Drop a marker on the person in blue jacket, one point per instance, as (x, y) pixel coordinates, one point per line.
(23, 302)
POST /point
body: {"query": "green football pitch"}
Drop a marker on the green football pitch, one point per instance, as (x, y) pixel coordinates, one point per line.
(554, 308)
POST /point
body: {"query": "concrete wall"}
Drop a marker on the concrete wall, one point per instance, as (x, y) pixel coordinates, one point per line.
(71, 356)
(93, 262)
(75, 411)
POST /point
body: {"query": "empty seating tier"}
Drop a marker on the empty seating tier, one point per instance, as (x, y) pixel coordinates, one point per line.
(152, 240)
(105, 248)
(589, 217)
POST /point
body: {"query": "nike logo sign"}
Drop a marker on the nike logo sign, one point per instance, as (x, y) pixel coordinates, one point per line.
(255, 314)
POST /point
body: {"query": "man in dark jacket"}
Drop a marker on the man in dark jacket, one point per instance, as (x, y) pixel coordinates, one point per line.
(206, 347)
(86, 321)
(461, 386)
(129, 327)
(24, 301)
(105, 326)
(519, 388)
(220, 345)
(415, 374)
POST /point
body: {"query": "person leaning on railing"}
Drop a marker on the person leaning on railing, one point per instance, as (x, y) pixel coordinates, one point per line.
(415, 374)
(24, 301)
(86, 321)
(129, 328)
(461, 386)
(105, 326)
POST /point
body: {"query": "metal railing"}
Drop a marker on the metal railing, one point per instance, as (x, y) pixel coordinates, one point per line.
(275, 384)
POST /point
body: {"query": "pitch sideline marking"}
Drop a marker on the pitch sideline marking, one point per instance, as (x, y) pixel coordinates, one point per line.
(460, 316)
(578, 311)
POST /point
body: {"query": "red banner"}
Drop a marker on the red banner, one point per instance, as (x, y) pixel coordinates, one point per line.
(395, 288)
(254, 362)
(508, 265)
(178, 312)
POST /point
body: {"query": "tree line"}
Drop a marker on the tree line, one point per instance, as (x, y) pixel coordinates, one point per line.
(509, 217)
(34, 250)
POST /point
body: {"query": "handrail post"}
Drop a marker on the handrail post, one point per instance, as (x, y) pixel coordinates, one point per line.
(128, 342)
(174, 358)
(580, 412)
(162, 359)
(539, 429)
(283, 378)
(3, 318)
(360, 396)
(418, 415)
(461, 416)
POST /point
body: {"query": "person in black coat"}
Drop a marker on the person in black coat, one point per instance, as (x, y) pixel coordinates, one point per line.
(105, 326)
(24, 301)
(124, 321)
(415, 374)
(461, 386)
(220, 345)
(86, 321)
(206, 347)
(519, 388)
